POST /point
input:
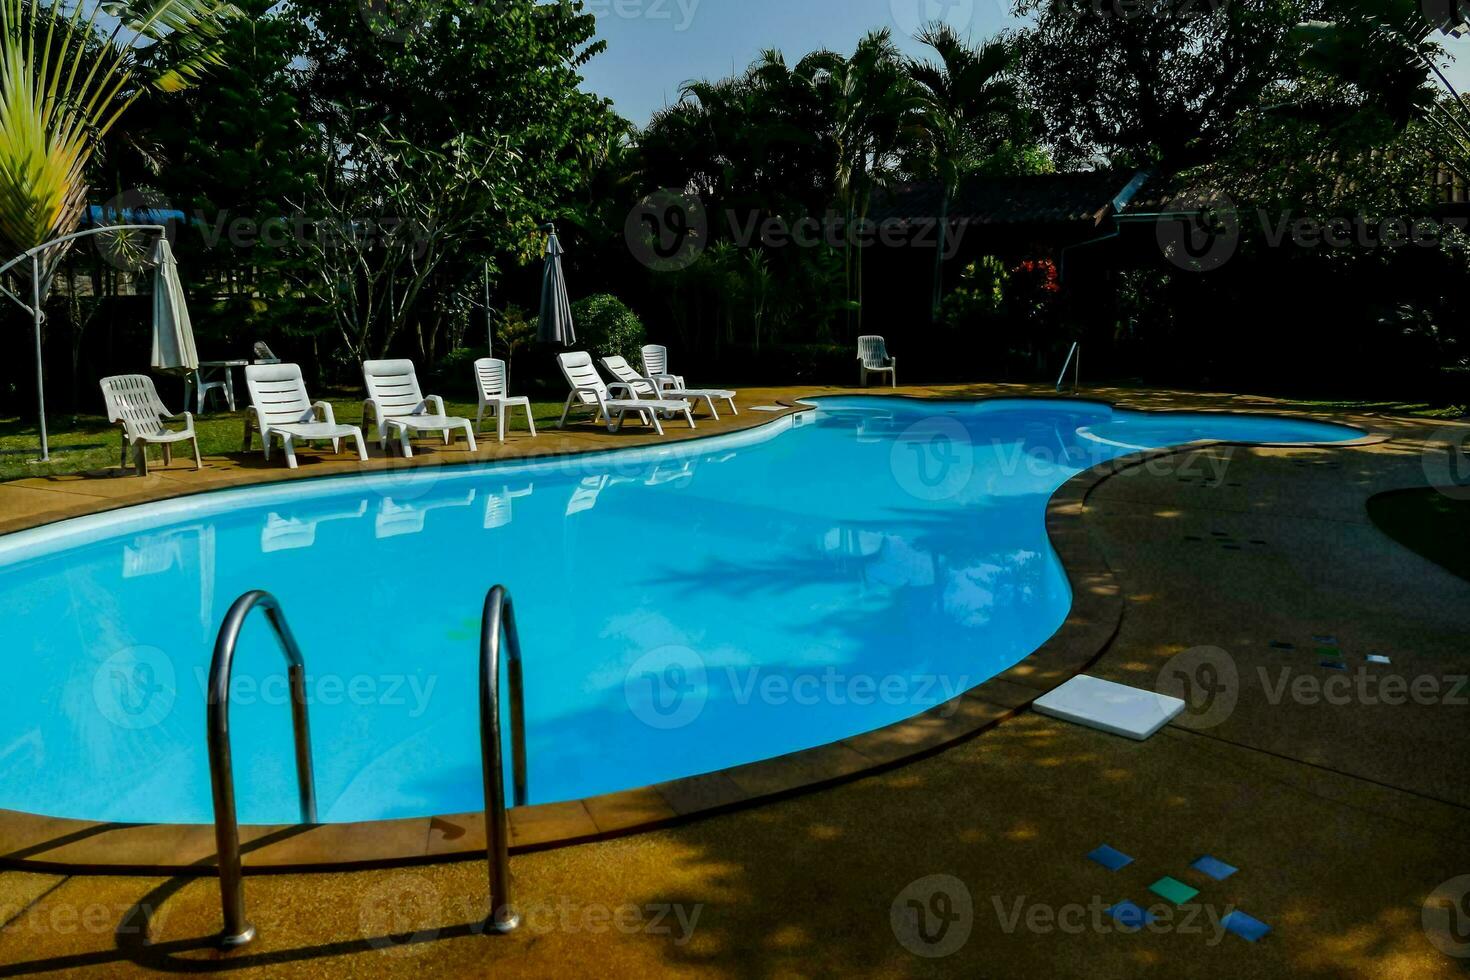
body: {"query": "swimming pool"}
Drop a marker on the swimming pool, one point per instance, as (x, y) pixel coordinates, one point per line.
(683, 609)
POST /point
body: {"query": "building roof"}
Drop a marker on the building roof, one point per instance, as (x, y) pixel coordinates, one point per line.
(1080, 198)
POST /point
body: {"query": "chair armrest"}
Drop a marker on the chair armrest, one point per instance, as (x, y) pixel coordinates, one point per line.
(617, 386)
(329, 415)
(436, 402)
(371, 413)
(188, 418)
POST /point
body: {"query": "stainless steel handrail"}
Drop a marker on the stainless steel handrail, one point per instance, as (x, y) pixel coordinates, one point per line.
(500, 619)
(238, 931)
(1074, 354)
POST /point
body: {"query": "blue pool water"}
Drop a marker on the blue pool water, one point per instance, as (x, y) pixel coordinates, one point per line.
(683, 609)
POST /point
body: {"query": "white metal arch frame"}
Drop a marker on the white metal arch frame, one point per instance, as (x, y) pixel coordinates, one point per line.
(34, 307)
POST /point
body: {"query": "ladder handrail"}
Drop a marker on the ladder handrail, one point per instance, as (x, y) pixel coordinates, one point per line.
(1075, 353)
(237, 930)
(500, 620)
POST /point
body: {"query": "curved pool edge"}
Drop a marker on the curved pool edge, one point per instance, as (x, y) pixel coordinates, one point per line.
(62, 845)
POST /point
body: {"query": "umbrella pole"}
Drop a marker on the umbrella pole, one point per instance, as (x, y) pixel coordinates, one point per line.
(40, 371)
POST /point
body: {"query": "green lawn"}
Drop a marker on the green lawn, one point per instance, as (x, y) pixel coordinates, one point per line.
(1428, 522)
(89, 444)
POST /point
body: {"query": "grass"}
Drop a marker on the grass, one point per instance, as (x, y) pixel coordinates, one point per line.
(89, 444)
(1418, 410)
(1427, 522)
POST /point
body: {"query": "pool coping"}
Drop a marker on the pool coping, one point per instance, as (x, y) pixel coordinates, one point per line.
(62, 845)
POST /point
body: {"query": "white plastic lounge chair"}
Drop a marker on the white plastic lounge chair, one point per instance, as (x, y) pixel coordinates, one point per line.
(133, 403)
(395, 520)
(590, 391)
(650, 387)
(498, 505)
(490, 373)
(397, 405)
(293, 533)
(873, 358)
(264, 354)
(280, 409)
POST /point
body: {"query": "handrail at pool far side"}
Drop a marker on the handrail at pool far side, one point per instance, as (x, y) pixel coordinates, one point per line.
(237, 929)
(499, 622)
(1074, 355)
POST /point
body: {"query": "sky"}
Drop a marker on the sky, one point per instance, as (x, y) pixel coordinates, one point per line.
(654, 46)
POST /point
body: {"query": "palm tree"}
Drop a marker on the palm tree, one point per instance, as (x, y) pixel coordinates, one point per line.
(972, 105)
(877, 114)
(65, 83)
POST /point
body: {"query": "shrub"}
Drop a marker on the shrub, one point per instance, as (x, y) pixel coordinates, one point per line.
(606, 327)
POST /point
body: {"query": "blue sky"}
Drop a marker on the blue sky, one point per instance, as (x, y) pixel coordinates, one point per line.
(656, 45)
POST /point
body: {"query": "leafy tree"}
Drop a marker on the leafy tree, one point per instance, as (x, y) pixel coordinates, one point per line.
(1157, 84)
(608, 328)
(501, 75)
(1388, 54)
(972, 110)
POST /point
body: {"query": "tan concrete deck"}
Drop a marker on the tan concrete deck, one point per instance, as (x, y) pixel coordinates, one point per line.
(1342, 818)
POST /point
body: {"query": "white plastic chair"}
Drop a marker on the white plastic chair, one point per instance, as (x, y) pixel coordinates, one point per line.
(666, 386)
(264, 354)
(656, 365)
(590, 391)
(280, 409)
(495, 396)
(397, 405)
(132, 402)
(873, 358)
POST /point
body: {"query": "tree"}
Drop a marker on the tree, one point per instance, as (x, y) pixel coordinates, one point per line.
(1388, 54)
(972, 109)
(382, 230)
(64, 85)
(502, 75)
(1157, 84)
(877, 117)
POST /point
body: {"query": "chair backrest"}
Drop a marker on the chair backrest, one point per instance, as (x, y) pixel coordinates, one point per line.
(279, 394)
(577, 368)
(132, 400)
(490, 373)
(394, 385)
(263, 352)
(619, 368)
(872, 350)
(655, 360)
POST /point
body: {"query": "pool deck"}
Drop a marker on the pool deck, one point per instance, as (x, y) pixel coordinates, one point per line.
(1343, 817)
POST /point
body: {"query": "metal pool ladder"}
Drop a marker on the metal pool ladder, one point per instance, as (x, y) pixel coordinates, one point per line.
(238, 931)
(498, 622)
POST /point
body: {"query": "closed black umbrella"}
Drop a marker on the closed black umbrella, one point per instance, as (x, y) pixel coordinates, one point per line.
(556, 309)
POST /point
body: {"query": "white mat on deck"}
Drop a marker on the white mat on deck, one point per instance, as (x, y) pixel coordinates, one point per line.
(1109, 707)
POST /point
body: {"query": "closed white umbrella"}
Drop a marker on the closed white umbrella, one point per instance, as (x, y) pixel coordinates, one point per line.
(173, 332)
